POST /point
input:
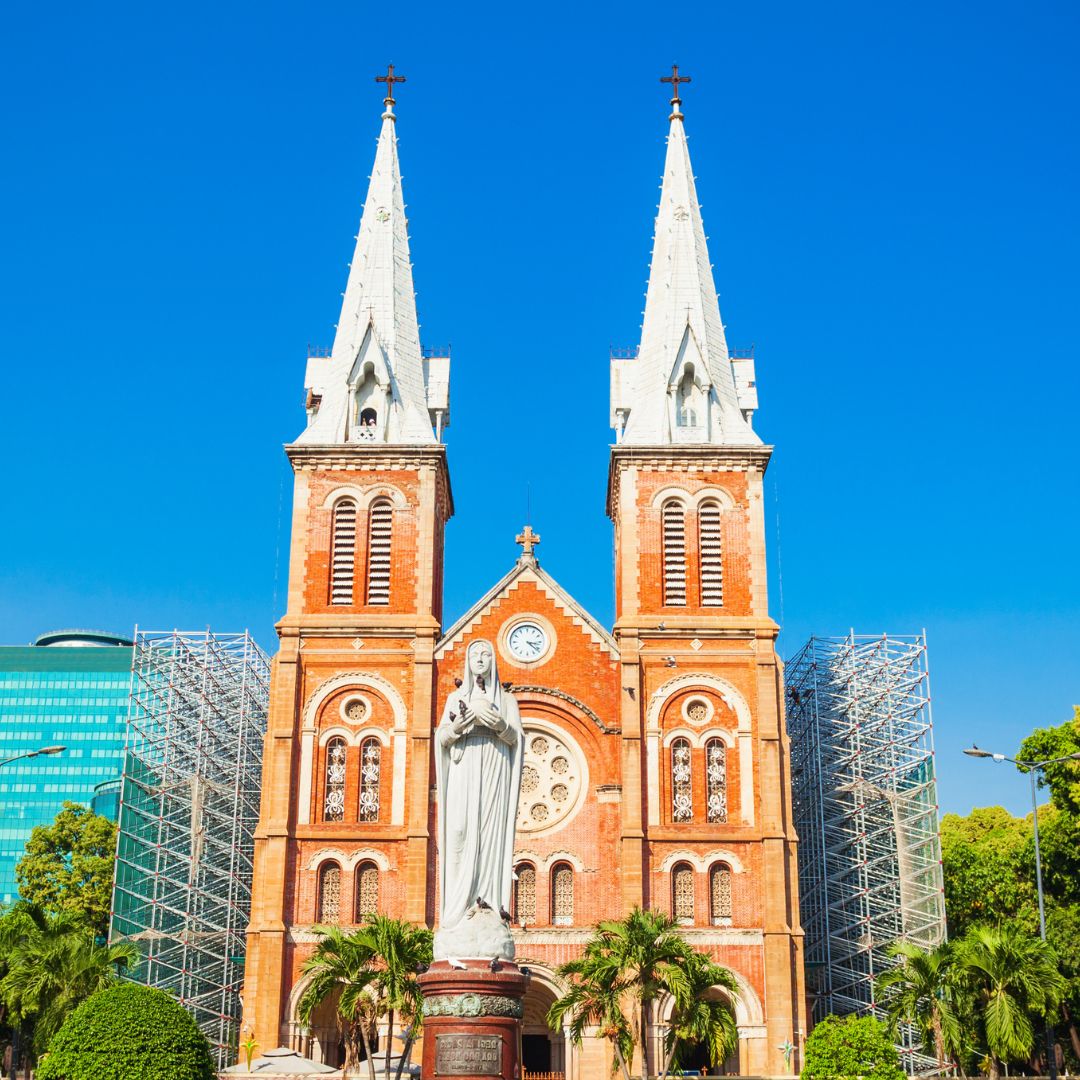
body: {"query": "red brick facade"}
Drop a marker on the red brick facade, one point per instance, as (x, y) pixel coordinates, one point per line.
(605, 715)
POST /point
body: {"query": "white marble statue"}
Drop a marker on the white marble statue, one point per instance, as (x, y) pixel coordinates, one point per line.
(478, 751)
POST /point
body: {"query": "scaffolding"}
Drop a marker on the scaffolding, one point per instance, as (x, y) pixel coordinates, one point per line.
(865, 803)
(188, 809)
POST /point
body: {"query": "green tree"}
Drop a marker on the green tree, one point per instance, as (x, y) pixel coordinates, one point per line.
(68, 866)
(849, 1047)
(593, 1000)
(1063, 933)
(53, 963)
(921, 990)
(1012, 976)
(374, 969)
(988, 868)
(699, 1017)
(1063, 779)
(129, 1032)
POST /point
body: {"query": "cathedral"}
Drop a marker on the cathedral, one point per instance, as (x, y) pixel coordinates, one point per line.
(656, 761)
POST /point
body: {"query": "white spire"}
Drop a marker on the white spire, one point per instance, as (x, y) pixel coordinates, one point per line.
(681, 387)
(372, 387)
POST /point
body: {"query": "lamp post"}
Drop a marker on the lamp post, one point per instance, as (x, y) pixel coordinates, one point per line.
(33, 753)
(1032, 767)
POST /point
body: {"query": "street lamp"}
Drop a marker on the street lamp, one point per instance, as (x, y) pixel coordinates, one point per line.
(33, 753)
(1032, 767)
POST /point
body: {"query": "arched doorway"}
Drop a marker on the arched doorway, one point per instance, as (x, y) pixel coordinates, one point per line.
(697, 1057)
(542, 1050)
(322, 1038)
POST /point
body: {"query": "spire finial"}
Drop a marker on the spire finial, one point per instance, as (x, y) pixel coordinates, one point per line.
(675, 78)
(528, 540)
(389, 78)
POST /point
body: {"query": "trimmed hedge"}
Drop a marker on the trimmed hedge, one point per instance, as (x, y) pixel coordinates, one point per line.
(128, 1032)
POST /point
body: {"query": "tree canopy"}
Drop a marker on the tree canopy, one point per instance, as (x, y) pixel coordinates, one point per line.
(68, 866)
(854, 1046)
(129, 1032)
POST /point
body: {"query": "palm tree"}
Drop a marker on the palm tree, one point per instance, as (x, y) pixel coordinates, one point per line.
(54, 963)
(642, 956)
(375, 969)
(698, 1017)
(921, 990)
(343, 963)
(1011, 975)
(399, 951)
(593, 1001)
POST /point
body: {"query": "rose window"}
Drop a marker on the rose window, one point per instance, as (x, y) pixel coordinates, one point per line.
(355, 710)
(697, 711)
(552, 780)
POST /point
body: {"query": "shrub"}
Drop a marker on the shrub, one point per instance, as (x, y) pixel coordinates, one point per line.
(128, 1032)
(855, 1046)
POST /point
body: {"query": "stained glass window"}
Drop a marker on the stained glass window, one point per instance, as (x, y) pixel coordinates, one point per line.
(370, 757)
(682, 893)
(525, 894)
(562, 895)
(367, 890)
(682, 792)
(334, 800)
(329, 893)
(716, 780)
(720, 894)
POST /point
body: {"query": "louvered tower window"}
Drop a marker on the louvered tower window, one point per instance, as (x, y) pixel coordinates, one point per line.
(720, 894)
(380, 528)
(370, 761)
(343, 552)
(525, 894)
(329, 893)
(682, 893)
(716, 781)
(674, 543)
(367, 890)
(562, 895)
(712, 561)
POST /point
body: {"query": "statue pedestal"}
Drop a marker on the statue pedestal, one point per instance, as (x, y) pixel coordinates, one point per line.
(472, 1020)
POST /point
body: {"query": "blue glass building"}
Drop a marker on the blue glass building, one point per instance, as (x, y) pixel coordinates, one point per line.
(69, 688)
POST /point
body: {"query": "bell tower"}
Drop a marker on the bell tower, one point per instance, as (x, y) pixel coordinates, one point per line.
(703, 737)
(344, 825)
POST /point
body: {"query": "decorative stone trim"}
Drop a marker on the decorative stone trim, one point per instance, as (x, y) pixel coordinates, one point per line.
(473, 1005)
(561, 695)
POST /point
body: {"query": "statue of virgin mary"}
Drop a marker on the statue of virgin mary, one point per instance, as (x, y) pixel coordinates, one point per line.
(478, 750)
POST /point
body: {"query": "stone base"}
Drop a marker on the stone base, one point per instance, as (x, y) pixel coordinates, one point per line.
(472, 1020)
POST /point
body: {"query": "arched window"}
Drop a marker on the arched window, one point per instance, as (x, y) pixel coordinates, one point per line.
(720, 894)
(690, 400)
(367, 890)
(329, 905)
(343, 551)
(674, 546)
(562, 895)
(370, 758)
(712, 555)
(525, 894)
(380, 528)
(682, 893)
(682, 788)
(334, 796)
(716, 780)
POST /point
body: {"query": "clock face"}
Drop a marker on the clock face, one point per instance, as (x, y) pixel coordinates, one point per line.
(527, 642)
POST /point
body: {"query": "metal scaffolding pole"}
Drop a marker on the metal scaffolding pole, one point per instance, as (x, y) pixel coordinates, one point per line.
(865, 802)
(188, 810)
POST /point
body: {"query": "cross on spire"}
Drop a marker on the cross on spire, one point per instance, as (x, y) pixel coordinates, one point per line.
(675, 78)
(389, 78)
(528, 540)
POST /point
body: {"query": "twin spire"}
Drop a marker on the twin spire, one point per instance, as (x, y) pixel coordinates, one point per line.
(681, 387)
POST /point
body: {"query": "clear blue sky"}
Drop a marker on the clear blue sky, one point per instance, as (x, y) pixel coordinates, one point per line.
(891, 196)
